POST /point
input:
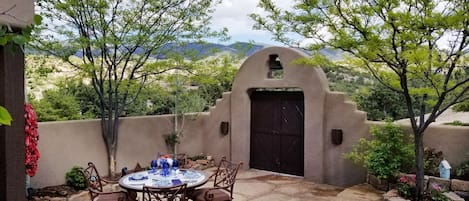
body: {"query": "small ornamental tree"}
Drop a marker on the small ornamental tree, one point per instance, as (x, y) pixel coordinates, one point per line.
(31, 138)
(416, 48)
(117, 43)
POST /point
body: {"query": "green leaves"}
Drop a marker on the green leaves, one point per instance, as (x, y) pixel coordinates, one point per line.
(386, 154)
(37, 19)
(5, 117)
(7, 34)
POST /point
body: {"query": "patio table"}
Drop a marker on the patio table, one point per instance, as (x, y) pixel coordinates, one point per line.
(135, 181)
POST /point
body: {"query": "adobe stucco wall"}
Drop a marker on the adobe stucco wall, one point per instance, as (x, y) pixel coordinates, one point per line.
(453, 141)
(65, 144)
(69, 143)
(342, 114)
(323, 111)
(20, 13)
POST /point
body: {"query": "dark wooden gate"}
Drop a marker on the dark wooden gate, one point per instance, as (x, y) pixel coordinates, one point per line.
(277, 131)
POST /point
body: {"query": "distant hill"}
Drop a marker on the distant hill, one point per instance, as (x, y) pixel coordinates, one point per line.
(203, 50)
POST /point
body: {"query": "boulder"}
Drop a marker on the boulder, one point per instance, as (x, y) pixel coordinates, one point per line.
(83, 195)
(444, 184)
(452, 196)
(393, 195)
(459, 185)
(377, 183)
(463, 194)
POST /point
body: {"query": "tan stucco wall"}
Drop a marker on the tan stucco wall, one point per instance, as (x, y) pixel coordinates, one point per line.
(342, 114)
(215, 143)
(324, 110)
(64, 144)
(69, 143)
(453, 141)
(20, 12)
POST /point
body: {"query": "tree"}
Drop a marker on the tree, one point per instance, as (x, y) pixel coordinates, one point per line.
(196, 86)
(56, 106)
(399, 42)
(115, 42)
(215, 76)
(380, 103)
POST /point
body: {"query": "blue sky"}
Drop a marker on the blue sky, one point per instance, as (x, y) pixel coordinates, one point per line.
(233, 14)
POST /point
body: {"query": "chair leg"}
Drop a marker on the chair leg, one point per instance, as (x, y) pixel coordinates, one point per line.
(132, 195)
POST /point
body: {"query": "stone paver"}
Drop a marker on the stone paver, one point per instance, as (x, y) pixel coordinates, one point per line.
(253, 188)
(361, 192)
(256, 185)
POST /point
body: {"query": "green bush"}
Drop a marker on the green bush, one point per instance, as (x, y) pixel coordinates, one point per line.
(462, 171)
(387, 154)
(456, 123)
(461, 107)
(75, 179)
(431, 161)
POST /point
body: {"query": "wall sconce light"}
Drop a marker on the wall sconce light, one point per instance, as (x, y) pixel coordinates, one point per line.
(224, 127)
(336, 136)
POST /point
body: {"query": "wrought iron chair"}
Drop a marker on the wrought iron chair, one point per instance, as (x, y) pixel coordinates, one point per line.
(181, 158)
(95, 186)
(222, 190)
(175, 193)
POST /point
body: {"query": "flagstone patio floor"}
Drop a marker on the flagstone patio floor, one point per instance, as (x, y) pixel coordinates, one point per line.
(258, 185)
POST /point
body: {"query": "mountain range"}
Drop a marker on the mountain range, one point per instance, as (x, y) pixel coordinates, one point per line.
(203, 50)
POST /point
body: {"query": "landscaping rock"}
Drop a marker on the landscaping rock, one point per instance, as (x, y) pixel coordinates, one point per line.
(390, 194)
(463, 194)
(459, 185)
(443, 183)
(377, 183)
(452, 196)
(83, 195)
(393, 195)
(396, 199)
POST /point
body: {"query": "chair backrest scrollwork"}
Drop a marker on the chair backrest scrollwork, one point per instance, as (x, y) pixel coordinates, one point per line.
(93, 180)
(225, 176)
(175, 193)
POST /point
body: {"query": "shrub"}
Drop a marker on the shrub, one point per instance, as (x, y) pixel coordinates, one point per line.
(461, 107)
(436, 193)
(406, 187)
(75, 178)
(388, 153)
(431, 160)
(456, 123)
(462, 171)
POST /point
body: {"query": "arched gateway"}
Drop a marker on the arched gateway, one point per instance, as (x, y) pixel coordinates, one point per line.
(284, 119)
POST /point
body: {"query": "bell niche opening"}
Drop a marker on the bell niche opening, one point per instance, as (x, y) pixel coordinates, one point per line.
(275, 67)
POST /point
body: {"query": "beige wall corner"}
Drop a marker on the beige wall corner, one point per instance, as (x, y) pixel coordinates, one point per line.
(16, 13)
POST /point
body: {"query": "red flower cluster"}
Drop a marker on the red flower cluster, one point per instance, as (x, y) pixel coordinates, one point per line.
(404, 179)
(31, 138)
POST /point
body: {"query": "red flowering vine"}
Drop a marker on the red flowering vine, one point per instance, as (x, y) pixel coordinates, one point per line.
(31, 138)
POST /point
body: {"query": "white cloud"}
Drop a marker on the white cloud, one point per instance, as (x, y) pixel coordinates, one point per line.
(233, 14)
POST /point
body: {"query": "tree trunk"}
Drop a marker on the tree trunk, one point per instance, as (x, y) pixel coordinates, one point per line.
(112, 163)
(419, 190)
(109, 133)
